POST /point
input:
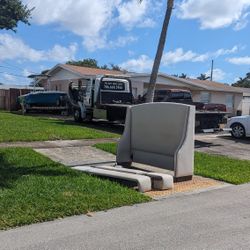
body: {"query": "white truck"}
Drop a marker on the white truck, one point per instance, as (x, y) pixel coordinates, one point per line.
(107, 97)
(101, 97)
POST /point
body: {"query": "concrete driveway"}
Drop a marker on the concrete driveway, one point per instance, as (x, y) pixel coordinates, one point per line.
(223, 144)
(218, 219)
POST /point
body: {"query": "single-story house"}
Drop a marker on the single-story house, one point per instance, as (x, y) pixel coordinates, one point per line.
(246, 101)
(61, 75)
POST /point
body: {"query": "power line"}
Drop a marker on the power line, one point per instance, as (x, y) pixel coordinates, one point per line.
(7, 73)
(14, 67)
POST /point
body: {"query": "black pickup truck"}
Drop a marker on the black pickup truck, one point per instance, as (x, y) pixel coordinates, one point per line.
(208, 115)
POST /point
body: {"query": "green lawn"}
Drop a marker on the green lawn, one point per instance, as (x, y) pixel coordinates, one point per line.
(213, 166)
(26, 128)
(34, 189)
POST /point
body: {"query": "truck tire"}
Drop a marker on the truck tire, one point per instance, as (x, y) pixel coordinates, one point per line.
(89, 117)
(238, 131)
(77, 115)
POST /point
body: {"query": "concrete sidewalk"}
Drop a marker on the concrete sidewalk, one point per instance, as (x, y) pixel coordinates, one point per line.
(75, 155)
(56, 144)
(218, 219)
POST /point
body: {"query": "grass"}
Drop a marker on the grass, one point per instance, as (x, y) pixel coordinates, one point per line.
(26, 128)
(213, 166)
(35, 189)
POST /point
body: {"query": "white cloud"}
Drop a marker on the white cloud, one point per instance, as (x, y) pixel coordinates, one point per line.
(82, 17)
(222, 52)
(93, 44)
(147, 23)
(26, 72)
(213, 14)
(14, 48)
(144, 63)
(61, 54)
(179, 55)
(131, 53)
(122, 41)
(9, 78)
(92, 20)
(218, 74)
(245, 60)
(141, 64)
(242, 22)
(131, 13)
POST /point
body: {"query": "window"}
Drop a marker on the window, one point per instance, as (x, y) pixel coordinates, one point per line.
(229, 101)
(205, 97)
(177, 95)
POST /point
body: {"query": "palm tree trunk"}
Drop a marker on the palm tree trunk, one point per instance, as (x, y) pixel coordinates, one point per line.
(158, 56)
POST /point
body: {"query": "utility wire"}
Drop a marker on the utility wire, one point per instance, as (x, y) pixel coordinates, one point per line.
(14, 67)
(1, 72)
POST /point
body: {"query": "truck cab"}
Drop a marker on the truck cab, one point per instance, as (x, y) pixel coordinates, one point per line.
(103, 97)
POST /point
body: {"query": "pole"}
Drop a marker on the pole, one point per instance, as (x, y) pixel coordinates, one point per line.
(212, 71)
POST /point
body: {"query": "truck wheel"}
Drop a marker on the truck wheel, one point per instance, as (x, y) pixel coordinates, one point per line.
(238, 131)
(89, 117)
(77, 115)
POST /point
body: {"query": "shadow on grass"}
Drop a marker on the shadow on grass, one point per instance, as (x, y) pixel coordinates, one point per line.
(10, 173)
(98, 125)
(69, 121)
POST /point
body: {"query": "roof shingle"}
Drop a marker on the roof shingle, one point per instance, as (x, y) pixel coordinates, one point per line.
(91, 71)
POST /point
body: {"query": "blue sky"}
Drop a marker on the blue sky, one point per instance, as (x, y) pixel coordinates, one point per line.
(126, 33)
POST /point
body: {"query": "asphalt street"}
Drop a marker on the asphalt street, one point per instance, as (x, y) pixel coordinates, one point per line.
(216, 219)
(223, 144)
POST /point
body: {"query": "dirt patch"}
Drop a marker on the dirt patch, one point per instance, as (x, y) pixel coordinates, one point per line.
(186, 186)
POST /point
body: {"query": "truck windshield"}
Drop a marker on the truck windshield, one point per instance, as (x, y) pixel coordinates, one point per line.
(112, 86)
(114, 91)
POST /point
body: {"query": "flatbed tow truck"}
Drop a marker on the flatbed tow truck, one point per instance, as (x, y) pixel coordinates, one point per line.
(107, 98)
(103, 97)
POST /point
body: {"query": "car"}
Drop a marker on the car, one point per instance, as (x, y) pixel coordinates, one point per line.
(240, 126)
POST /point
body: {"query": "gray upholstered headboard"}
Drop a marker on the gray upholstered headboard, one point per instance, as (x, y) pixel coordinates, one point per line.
(159, 134)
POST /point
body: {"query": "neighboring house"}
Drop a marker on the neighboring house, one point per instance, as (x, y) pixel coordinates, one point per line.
(202, 91)
(61, 75)
(246, 101)
(10, 93)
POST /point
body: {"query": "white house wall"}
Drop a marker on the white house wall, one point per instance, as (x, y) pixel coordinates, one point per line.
(246, 105)
(63, 75)
(220, 98)
(238, 102)
(139, 86)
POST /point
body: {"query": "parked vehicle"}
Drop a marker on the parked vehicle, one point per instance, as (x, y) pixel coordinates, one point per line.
(240, 126)
(208, 115)
(102, 97)
(107, 97)
(44, 101)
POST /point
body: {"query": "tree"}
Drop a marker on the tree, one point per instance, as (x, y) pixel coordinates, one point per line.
(203, 77)
(243, 82)
(105, 66)
(12, 12)
(183, 76)
(159, 52)
(115, 67)
(89, 62)
(92, 63)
